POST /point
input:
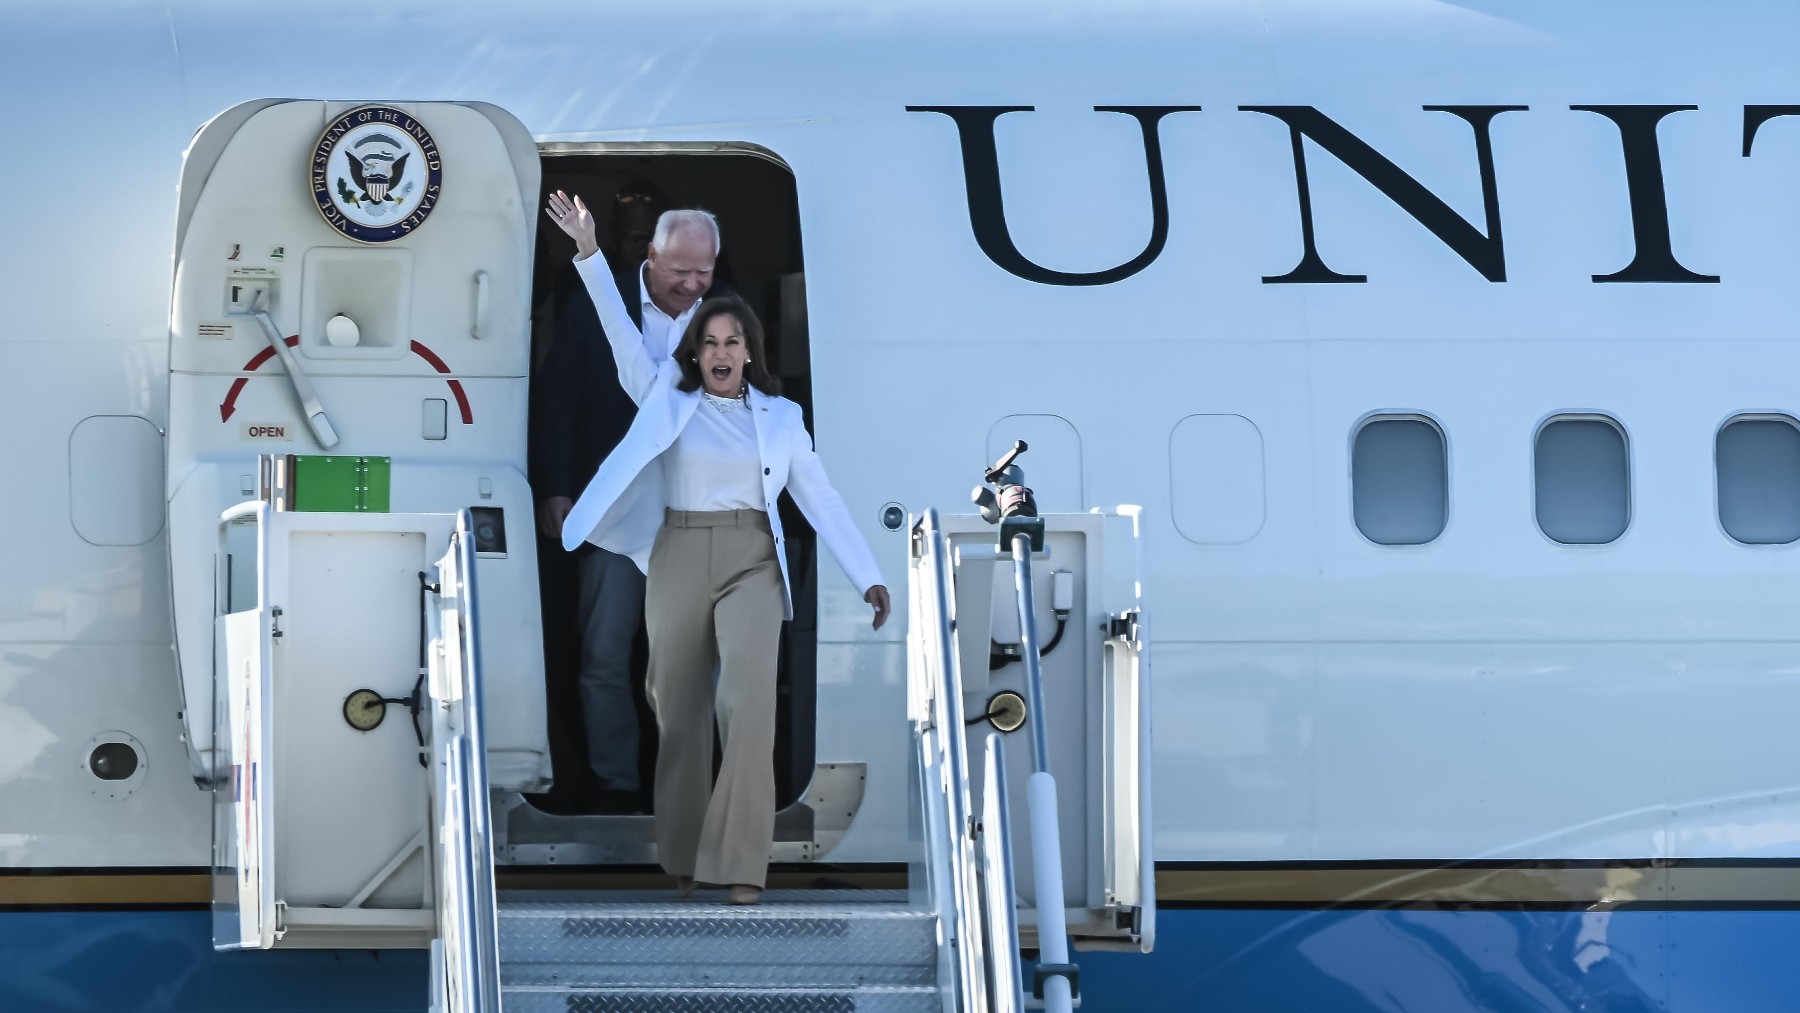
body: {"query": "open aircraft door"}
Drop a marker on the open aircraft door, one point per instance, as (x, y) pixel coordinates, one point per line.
(349, 347)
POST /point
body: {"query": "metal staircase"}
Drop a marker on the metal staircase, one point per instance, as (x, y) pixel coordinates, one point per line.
(800, 951)
(948, 943)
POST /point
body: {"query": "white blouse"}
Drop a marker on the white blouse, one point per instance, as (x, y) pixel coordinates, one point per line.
(714, 463)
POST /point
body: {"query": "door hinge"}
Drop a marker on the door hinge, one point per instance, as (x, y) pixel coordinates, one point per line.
(275, 622)
(1123, 626)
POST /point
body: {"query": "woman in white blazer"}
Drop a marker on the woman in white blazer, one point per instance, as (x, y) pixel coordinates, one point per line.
(689, 494)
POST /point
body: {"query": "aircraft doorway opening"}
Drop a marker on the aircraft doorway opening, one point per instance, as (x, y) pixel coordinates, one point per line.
(625, 185)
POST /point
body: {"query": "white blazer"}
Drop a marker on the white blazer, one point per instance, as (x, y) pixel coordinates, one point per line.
(621, 510)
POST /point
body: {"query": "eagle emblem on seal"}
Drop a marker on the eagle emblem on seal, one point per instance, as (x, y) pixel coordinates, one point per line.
(377, 171)
(376, 174)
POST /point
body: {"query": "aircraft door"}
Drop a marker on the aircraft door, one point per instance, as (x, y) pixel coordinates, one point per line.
(351, 294)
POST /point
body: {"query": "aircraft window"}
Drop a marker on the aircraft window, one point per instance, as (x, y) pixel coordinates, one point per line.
(1398, 480)
(1583, 480)
(1758, 462)
(1216, 479)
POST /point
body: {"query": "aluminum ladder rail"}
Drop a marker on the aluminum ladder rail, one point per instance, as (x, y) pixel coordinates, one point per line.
(465, 956)
(1055, 975)
(969, 861)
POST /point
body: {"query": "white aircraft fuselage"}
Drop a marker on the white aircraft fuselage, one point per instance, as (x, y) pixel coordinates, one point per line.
(1192, 253)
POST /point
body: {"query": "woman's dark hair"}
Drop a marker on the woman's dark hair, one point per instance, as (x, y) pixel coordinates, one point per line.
(756, 371)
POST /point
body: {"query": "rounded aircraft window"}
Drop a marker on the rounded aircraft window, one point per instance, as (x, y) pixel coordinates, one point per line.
(1583, 480)
(1399, 484)
(1757, 462)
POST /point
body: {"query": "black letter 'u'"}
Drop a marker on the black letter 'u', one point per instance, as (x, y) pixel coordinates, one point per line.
(987, 209)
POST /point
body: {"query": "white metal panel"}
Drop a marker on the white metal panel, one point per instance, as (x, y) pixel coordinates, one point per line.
(348, 800)
(54, 698)
(115, 480)
(244, 830)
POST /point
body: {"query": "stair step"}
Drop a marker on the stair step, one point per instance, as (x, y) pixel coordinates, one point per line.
(794, 940)
(917, 999)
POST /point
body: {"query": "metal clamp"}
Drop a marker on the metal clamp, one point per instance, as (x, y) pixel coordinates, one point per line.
(1044, 972)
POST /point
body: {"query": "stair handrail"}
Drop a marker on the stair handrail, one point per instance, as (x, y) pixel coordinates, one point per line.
(1000, 908)
(1055, 975)
(936, 710)
(466, 956)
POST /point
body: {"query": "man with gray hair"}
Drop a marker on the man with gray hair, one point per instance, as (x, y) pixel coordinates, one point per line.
(579, 414)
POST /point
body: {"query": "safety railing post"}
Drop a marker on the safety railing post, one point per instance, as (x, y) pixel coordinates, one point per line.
(1055, 975)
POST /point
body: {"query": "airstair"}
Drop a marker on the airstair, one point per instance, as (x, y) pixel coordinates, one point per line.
(950, 942)
(977, 893)
(360, 652)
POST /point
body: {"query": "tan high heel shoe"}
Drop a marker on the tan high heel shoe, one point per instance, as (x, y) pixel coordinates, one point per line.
(741, 894)
(685, 886)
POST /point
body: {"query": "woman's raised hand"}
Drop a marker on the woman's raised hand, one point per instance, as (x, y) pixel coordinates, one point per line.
(572, 216)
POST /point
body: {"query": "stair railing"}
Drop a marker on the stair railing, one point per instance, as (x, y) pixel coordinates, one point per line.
(934, 706)
(465, 956)
(999, 899)
(1055, 982)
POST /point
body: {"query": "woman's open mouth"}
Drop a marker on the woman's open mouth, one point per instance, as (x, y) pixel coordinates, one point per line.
(721, 373)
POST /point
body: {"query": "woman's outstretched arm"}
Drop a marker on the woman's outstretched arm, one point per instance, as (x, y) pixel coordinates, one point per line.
(637, 374)
(825, 509)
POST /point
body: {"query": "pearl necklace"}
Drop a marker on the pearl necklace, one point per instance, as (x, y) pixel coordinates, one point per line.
(725, 405)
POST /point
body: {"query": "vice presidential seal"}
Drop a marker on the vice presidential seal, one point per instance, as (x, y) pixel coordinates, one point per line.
(376, 174)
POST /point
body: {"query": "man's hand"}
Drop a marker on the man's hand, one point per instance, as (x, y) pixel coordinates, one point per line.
(878, 597)
(550, 516)
(571, 216)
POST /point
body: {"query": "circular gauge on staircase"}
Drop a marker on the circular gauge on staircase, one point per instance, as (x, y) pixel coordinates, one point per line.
(1006, 711)
(364, 709)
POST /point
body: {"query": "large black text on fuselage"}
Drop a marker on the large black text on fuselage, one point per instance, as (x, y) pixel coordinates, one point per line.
(1483, 250)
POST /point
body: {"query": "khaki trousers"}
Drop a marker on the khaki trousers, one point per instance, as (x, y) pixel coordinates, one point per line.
(714, 596)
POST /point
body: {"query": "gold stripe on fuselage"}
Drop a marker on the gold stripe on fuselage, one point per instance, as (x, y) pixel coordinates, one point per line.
(1239, 886)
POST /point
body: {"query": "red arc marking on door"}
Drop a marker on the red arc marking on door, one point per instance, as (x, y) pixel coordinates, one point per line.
(228, 407)
(456, 387)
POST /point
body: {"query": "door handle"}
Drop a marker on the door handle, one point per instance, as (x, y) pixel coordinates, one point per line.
(481, 306)
(303, 388)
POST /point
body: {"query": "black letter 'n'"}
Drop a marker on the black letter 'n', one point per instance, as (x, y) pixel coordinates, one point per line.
(1485, 253)
(987, 209)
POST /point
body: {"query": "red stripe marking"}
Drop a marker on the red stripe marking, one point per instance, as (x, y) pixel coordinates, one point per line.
(462, 402)
(429, 356)
(456, 387)
(267, 353)
(228, 406)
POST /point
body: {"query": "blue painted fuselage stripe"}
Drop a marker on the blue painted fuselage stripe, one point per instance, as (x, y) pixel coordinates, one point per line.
(1207, 961)
(127, 961)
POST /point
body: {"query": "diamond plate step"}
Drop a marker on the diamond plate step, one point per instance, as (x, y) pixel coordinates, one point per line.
(817, 940)
(916, 999)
